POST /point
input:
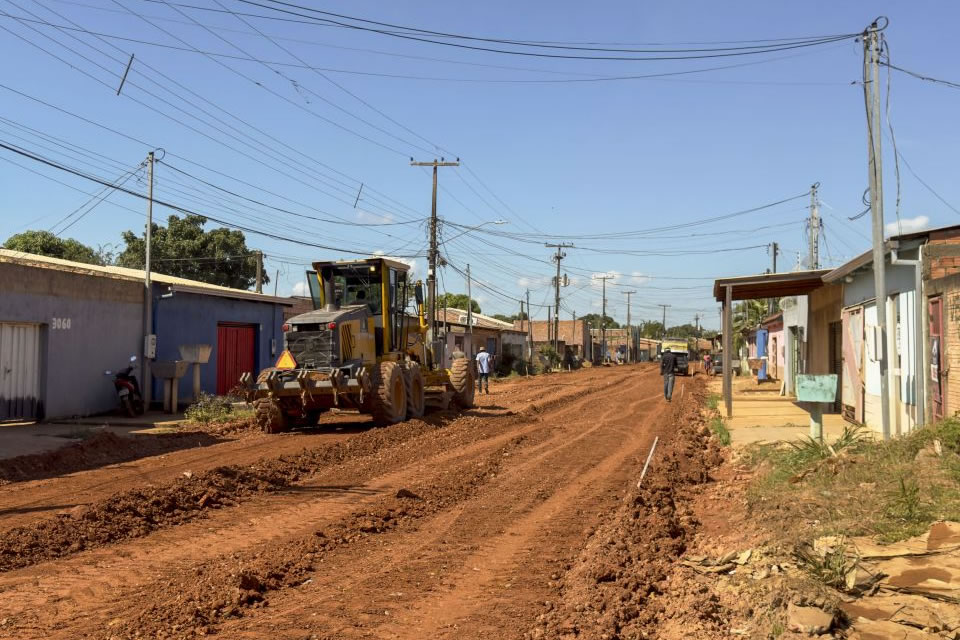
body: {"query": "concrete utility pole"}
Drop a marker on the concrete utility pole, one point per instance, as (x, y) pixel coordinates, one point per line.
(664, 334)
(603, 319)
(433, 252)
(814, 260)
(774, 250)
(259, 255)
(629, 329)
(529, 330)
(469, 306)
(696, 319)
(871, 92)
(557, 257)
(148, 292)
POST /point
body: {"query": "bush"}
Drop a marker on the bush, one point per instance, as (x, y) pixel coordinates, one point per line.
(721, 431)
(209, 409)
(549, 356)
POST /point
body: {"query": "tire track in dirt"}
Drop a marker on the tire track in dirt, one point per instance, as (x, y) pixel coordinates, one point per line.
(500, 529)
(99, 575)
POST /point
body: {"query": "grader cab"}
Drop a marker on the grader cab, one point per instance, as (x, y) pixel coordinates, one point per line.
(358, 349)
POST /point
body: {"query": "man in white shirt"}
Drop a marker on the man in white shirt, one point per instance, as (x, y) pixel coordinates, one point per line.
(484, 364)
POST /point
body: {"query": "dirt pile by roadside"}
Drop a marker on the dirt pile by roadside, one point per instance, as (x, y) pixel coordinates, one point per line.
(101, 449)
(608, 592)
(225, 589)
(136, 513)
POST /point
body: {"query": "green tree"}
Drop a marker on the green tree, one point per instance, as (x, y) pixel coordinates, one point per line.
(593, 321)
(747, 315)
(456, 301)
(651, 329)
(513, 318)
(45, 243)
(682, 331)
(184, 249)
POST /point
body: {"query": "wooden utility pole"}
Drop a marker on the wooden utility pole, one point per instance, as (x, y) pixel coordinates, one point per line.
(529, 332)
(871, 92)
(629, 329)
(259, 256)
(469, 306)
(148, 340)
(603, 318)
(549, 325)
(664, 334)
(774, 250)
(433, 252)
(557, 257)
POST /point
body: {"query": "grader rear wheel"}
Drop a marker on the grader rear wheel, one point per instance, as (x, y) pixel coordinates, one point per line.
(461, 379)
(389, 397)
(416, 397)
(269, 415)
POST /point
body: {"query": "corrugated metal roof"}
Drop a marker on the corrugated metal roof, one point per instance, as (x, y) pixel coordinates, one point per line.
(459, 316)
(123, 273)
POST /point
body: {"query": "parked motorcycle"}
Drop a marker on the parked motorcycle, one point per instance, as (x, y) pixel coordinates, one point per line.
(128, 390)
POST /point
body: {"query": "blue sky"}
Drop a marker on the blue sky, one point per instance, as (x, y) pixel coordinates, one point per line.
(563, 158)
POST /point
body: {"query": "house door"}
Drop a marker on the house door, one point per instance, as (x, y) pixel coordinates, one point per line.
(235, 355)
(853, 374)
(836, 358)
(20, 372)
(936, 356)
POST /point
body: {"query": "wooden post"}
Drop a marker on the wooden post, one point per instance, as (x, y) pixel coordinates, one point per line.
(728, 351)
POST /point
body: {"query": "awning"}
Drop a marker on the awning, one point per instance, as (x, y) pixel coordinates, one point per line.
(769, 285)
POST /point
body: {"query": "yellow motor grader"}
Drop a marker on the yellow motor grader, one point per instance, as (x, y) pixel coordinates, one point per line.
(358, 349)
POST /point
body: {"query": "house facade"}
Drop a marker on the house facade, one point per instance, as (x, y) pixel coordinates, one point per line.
(63, 324)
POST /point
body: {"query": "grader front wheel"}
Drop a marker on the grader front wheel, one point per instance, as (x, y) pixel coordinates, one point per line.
(461, 379)
(416, 397)
(389, 397)
(269, 415)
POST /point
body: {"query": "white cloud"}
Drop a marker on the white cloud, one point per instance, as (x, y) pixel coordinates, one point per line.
(639, 279)
(907, 225)
(301, 289)
(375, 218)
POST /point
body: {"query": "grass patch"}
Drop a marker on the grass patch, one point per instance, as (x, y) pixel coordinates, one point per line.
(214, 410)
(857, 485)
(720, 430)
(713, 401)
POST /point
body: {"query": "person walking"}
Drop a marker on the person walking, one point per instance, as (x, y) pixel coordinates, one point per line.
(668, 362)
(484, 362)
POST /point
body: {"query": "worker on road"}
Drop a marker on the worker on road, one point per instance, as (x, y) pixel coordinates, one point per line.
(484, 362)
(668, 361)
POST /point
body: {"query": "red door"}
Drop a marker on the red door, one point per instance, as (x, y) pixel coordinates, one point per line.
(936, 356)
(235, 355)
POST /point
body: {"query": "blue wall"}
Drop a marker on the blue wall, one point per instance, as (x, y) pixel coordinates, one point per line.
(188, 318)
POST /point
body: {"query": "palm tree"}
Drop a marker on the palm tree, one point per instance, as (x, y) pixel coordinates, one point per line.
(747, 315)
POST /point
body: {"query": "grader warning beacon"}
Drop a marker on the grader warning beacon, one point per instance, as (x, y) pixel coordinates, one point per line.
(358, 349)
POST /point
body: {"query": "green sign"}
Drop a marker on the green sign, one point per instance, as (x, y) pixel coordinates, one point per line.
(816, 388)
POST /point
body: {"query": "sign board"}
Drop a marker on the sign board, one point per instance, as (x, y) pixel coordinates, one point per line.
(816, 388)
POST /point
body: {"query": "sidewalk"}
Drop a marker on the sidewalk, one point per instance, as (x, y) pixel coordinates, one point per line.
(27, 438)
(761, 414)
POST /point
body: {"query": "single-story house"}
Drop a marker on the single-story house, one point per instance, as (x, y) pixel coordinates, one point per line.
(63, 324)
(500, 338)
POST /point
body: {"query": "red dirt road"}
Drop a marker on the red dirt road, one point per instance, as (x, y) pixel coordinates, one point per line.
(308, 537)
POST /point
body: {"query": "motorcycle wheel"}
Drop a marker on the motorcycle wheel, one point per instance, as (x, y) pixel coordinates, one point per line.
(138, 407)
(127, 405)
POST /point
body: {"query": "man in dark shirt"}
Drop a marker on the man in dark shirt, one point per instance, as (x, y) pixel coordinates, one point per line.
(668, 361)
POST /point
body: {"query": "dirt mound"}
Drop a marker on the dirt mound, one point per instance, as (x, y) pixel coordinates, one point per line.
(101, 449)
(224, 589)
(609, 591)
(136, 513)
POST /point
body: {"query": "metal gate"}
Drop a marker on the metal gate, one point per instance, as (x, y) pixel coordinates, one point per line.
(235, 355)
(20, 396)
(936, 356)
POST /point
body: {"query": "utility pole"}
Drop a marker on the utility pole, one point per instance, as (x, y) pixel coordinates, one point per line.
(871, 91)
(469, 308)
(774, 250)
(549, 325)
(148, 342)
(529, 332)
(629, 329)
(664, 334)
(433, 253)
(696, 319)
(814, 259)
(603, 319)
(259, 255)
(557, 257)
